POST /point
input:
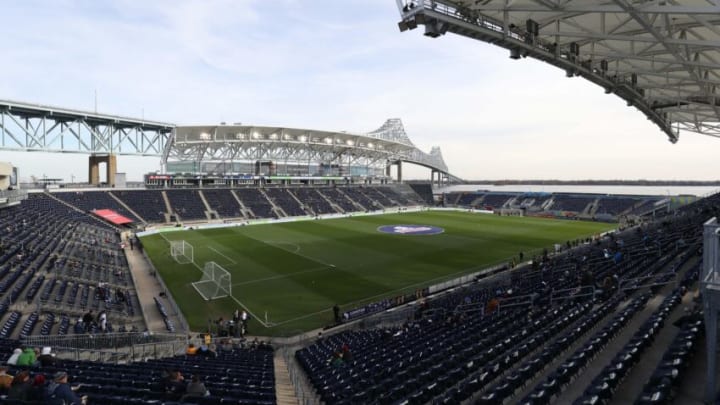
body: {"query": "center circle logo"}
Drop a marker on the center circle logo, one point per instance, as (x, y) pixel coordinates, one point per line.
(411, 229)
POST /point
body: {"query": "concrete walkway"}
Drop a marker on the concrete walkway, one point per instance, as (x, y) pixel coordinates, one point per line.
(147, 287)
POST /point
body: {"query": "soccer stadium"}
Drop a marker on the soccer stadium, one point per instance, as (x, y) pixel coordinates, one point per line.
(299, 265)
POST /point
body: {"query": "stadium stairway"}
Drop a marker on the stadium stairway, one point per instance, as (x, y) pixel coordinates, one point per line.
(209, 211)
(127, 207)
(276, 208)
(304, 206)
(632, 385)
(284, 391)
(168, 208)
(245, 210)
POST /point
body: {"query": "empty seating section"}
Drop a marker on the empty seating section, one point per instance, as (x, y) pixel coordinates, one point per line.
(313, 199)
(338, 198)
(256, 202)
(187, 204)
(377, 196)
(673, 366)
(615, 206)
(359, 197)
(533, 200)
(404, 199)
(493, 201)
(425, 192)
(94, 200)
(285, 200)
(571, 203)
(222, 201)
(467, 199)
(149, 204)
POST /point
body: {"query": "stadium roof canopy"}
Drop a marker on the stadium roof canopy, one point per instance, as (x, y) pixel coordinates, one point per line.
(227, 143)
(662, 57)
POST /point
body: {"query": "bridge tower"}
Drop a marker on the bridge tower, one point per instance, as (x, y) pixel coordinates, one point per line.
(110, 161)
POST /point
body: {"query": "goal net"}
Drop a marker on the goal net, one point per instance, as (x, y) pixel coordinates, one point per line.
(181, 251)
(215, 282)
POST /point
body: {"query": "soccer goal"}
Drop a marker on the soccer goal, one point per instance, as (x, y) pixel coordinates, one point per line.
(215, 282)
(181, 251)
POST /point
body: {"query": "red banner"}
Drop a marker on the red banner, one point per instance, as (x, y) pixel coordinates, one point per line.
(112, 217)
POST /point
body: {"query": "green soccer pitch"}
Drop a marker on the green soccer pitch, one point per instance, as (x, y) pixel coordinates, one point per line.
(295, 272)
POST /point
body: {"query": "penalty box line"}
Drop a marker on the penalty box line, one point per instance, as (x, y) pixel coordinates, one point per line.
(314, 269)
(220, 253)
(278, 244)
(231, 296)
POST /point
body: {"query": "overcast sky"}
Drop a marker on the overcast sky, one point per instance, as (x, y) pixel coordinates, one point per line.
(331, 65)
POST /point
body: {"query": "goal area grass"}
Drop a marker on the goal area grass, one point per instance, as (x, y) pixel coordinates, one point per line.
(293, 273)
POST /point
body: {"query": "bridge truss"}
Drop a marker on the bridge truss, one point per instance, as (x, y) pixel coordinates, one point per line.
(662, 57)
(32, 127)
(221, 145)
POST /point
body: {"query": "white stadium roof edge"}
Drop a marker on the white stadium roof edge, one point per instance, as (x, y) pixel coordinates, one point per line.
(662, 57)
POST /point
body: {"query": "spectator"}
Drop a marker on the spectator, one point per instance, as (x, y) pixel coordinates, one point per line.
(174, 384)
(38, 388)
(27, 358)
(14, 357)
(20, 387)
(5, 380)
(87, 320)
(102, 320)
(46, 358)
(191, 350)
(195, 388)
(59, 391)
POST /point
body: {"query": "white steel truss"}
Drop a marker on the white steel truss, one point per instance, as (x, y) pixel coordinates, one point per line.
(235, 143)
(31, 127)
(660, 56)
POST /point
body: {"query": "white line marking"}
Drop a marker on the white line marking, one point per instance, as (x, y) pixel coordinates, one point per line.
(216, 251)
(282, 276)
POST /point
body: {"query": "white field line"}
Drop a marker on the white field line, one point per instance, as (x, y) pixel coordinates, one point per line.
(283, 276)
(218, 252)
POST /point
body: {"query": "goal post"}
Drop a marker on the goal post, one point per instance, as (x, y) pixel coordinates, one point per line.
(181, 251)
(216, 282)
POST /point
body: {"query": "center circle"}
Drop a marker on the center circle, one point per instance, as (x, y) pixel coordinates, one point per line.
(408, 229)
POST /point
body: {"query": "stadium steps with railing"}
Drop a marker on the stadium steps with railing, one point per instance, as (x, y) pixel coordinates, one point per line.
(168, 208)
(127, 207)
(284, 390)
(304, 206)
(245, 210)
(359, 206)
(332, 203)
(209, 211)
(578, 385)
(276, 208)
